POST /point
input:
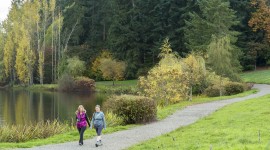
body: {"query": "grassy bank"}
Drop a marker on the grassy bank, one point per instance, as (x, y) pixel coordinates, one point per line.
(61, 138)
(127, 87)
(243, 125)
(262, 76)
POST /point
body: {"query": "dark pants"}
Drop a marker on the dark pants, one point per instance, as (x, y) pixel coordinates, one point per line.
(81, 132)
(98, 130)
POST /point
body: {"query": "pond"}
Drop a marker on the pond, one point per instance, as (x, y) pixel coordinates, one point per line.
(23, 106)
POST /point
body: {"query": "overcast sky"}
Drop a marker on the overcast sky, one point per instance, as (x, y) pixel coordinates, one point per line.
(4, 8)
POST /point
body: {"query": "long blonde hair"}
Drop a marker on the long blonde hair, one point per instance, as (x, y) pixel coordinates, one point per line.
(78, 110)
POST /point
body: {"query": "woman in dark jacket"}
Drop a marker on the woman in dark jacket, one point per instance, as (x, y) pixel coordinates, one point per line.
(82, 121)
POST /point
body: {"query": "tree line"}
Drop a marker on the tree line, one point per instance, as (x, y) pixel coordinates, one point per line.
(39, 36)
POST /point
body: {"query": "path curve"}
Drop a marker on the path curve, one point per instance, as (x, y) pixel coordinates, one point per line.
(124, 139)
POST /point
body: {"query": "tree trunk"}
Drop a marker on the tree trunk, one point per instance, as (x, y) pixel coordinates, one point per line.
(220, 86)
(59, 43)
(190, 94)
(67, 40)
(52, 49)
(104, 31)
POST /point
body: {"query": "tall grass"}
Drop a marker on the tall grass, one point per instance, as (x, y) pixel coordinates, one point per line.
(40, 130)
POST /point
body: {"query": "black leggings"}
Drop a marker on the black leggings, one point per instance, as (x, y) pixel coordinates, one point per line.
(98, 130)
(81, 132)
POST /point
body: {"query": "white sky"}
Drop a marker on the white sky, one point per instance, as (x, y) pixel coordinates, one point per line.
(4, 8)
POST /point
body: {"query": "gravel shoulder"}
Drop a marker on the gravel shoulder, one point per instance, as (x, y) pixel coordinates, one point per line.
(124, 139)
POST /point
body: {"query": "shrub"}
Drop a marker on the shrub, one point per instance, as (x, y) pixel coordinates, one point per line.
(66, 83)
(113, 120)
(75, 66)
(84, 84)
(132, 109)
(234, 88)
(248, 86)
(214, 91)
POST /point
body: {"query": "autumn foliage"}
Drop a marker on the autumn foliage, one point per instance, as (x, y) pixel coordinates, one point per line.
(260, 19)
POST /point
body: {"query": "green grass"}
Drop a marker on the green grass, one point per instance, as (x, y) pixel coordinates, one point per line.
(128, 86)
(117, 83)
(120, 87)
(168, 110)
(61, 138)
(234, 127)
(262, 76)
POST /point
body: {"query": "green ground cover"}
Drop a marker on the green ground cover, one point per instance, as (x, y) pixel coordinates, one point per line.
(262, 76)
(240, 126)
(61, 138)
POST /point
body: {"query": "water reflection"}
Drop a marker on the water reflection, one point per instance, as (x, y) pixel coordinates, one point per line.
(22, 106)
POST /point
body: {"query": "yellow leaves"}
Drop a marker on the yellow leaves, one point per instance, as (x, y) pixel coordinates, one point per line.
(24, 56)
(112, 69)
(96, 63)
(8, 54)
(165, 82)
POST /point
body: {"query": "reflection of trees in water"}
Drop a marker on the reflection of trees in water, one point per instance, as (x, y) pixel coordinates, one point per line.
(21, 106)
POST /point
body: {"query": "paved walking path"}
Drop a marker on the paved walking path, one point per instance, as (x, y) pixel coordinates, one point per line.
(124, 139)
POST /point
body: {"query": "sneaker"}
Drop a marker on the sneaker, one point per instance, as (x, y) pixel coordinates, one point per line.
(80, 144)
(99, 143)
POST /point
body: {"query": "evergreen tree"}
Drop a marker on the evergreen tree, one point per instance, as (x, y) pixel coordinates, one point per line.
(214, 18)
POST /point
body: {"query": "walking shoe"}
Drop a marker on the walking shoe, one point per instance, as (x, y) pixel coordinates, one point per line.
(99, 143)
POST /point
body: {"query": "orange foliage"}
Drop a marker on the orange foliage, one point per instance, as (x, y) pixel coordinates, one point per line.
(260, 19)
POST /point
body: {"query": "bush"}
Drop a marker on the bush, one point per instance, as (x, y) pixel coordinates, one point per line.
(84, 84)
(132, 109)
(248, 86)
(214, 91)
(234, 88)
(75, 66)
(113, 120)
(66, 83)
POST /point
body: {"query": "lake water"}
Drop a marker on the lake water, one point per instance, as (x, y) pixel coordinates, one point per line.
(23, 106)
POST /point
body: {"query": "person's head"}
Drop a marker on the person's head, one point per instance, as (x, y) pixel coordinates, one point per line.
(80, 109)
(97, 108)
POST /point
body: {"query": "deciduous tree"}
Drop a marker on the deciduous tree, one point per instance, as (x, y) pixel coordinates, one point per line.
(112, 69)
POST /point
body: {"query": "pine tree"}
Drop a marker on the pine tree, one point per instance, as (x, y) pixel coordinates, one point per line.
(214, 18)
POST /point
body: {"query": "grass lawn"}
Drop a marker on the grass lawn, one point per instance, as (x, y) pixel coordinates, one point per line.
(117, 83)
(262, 76)
(234, 127)
(100, 85)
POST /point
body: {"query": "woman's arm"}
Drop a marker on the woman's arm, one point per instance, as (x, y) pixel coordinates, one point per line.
(92, 120)
(86, 117)
(104, 121)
